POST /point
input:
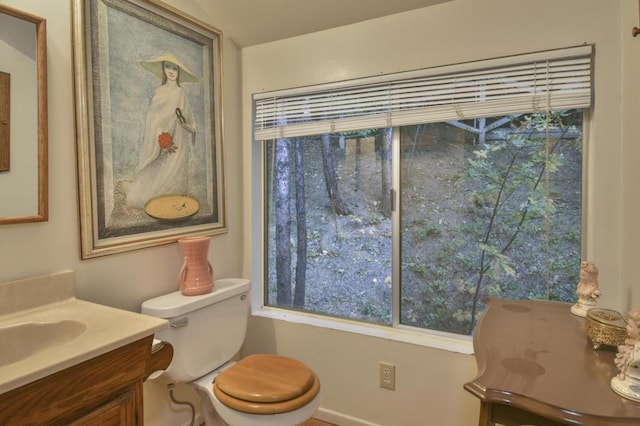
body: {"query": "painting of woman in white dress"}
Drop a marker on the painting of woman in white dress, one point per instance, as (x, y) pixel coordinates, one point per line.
(150, 133)
(169, 134)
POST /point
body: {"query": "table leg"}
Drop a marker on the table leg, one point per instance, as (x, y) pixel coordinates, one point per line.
(485, 415)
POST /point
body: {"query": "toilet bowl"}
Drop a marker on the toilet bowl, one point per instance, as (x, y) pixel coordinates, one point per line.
(207, 332)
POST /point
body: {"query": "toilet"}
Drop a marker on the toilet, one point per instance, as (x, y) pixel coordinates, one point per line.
(206, 332)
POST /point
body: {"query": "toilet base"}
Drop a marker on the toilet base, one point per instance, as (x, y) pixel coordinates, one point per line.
(217, 414)
(209, 414)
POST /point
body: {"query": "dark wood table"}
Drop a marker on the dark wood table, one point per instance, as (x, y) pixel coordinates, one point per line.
(536, 366)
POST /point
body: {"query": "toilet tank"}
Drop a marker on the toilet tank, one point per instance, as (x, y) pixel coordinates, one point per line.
(205, 331)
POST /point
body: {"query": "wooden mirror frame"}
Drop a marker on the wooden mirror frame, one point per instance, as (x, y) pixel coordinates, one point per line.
(42, 214)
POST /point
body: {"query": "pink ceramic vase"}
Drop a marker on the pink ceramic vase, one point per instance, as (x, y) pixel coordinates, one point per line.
(196, 274)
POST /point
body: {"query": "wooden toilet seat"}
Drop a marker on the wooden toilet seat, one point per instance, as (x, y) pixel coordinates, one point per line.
(266, 384)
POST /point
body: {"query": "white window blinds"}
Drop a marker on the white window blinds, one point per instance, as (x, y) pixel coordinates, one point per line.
(557, 79)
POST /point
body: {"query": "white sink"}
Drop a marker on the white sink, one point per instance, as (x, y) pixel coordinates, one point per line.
(44, 329)
(20, 341)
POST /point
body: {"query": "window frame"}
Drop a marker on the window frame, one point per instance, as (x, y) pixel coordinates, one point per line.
(396, 331)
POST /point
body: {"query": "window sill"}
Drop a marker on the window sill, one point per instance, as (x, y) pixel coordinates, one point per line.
(427, 338)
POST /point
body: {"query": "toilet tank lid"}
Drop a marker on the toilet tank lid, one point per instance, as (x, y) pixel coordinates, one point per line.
(175, 304)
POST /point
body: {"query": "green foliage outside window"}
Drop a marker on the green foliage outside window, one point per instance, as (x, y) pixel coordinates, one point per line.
(501, 217)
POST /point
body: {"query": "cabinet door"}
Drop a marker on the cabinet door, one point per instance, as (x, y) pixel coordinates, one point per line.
(118, 411)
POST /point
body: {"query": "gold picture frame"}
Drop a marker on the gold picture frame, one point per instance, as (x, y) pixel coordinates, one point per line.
(148, 98)
(29, 120)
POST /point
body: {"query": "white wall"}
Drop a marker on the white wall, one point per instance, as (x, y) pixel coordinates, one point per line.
(429, 382)
(630, 156)
(429, 385)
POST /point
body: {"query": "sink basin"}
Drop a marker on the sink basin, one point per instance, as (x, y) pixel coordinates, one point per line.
(45, 329)
(20, 341)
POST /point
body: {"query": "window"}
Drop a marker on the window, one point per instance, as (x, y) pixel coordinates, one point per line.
(404, 202)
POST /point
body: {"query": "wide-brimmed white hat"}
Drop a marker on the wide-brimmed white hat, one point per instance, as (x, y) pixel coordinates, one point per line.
(154, 66)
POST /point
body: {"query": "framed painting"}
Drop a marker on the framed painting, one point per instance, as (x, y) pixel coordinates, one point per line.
(148, 125)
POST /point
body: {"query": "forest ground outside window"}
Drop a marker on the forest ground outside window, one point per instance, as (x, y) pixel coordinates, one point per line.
(501, 217)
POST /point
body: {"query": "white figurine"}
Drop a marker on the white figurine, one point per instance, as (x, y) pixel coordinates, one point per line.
(587, 289)
(627, 382)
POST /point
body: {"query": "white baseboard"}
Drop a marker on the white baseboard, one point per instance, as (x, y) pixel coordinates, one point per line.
(340, 419)
(322, 414)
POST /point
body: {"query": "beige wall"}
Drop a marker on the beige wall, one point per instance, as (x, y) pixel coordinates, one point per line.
(122, 280)
(429, 382)
(631, 156)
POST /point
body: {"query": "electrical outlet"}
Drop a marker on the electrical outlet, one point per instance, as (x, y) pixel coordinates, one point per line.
(387, 376)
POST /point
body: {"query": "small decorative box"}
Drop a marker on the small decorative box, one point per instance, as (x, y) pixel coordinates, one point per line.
(606, 327)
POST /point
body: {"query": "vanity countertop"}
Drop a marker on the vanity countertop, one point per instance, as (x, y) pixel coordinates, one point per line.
(44, 329)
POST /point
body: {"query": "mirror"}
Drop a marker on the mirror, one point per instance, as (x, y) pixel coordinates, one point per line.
(23, 117)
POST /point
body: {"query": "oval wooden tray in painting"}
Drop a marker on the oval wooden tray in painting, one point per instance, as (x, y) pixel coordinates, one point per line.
(172, 207)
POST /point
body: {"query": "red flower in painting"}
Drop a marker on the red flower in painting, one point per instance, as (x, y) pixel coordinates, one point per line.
(165, 141)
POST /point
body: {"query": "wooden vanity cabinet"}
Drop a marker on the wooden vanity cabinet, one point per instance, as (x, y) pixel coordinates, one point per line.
(105, 390)
(119, 411)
